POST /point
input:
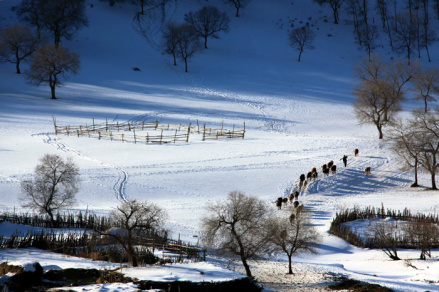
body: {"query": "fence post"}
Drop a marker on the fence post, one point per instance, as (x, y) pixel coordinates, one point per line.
(106, 125)
(243, 133)
(143, 125)
(222, 125)
(147, 138)
(93, 124)
(111, 136)
(134, 132)
(188, 131)
(156, 124)
(54, 125)
(198, 126)
(175, 136)
(122, 137)
(117, 125)
(204, 133)
(161, 137)
(99, 135)
(67, 130)
(77, 132)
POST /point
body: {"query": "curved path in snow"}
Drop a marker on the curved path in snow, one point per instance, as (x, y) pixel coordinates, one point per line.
(119, 186)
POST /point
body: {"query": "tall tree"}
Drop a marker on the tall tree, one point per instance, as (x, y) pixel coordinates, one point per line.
(428, 36)
(335, 5)
(302, 38)
(237, 226)
(54, 186)
(49, 65)
(62, 17)
(207, 22)
(16, 44)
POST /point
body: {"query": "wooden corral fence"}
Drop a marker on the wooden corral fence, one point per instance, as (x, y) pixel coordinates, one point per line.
(118, 131)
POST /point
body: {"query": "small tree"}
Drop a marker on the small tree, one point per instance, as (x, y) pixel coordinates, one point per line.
(238, 4)
(237, 226)
(49, 64)
(207, 22)
(135, 219)
(293, 237)
(170, 40)
(188, 43)
(422, 233)
(404, 37)
(31, 12)
(426, 83)
(335, 5)
(16, 44)
(386, 238)
(367, 37)
(301, 38)
(54, 186)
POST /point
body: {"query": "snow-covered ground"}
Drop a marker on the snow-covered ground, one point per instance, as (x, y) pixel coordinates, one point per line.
(297, 116)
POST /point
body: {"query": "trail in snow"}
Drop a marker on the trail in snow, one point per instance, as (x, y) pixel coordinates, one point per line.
(119, 186)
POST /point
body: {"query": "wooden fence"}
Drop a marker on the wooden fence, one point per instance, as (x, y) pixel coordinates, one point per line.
(169, 133)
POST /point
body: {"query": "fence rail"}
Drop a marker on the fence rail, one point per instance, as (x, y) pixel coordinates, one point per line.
(118, 132)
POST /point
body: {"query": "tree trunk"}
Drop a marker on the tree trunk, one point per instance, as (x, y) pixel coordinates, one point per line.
(335, 16)
(380, 131)
(300, 53)
(205, 42)
(52, 91)
(18, 66)
(185, 64)
(246, 267)
(290, 270)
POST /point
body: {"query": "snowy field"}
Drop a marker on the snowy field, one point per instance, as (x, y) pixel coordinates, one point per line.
(297, 116)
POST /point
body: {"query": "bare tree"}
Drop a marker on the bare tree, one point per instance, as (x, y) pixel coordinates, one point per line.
(426, 83)
(367, 38)
(335, 5)
(31, 12)
(386, 238)
(381, 90)
(50, 64)
(427, 125)
(171, 39)
(404, 37)
(62, 17)
(381, 7)
(136, 220)
(208, 21)
(238, 4)
(237, 226)
(16, 44)
(188, 43)
(302, 38)
(422, 233)
(54, 186)
(405, 139)
(293, 237)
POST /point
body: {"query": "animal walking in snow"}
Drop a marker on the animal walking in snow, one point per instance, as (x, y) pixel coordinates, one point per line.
(334, 169)
(345, 160)
(356, 152)
(279, 203)
(367, 170)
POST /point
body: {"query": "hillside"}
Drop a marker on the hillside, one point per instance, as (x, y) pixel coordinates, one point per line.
(297, 115)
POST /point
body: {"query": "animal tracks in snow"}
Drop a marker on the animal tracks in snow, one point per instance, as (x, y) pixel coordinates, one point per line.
(119, 186)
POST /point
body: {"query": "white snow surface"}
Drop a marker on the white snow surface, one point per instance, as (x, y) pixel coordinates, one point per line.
(297, 115)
